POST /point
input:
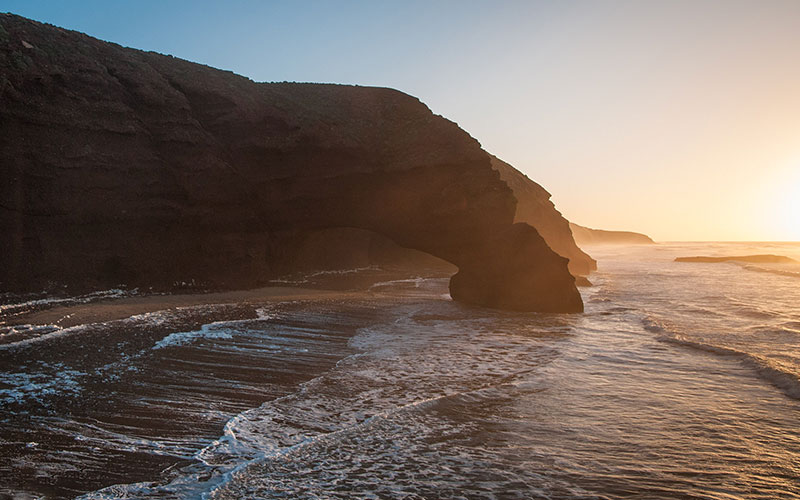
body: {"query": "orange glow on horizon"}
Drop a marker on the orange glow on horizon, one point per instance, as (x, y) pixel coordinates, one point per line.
(788, 203)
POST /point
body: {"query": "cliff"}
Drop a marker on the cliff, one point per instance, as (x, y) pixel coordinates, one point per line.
(122, 166)
(587, 236)
(535, 208)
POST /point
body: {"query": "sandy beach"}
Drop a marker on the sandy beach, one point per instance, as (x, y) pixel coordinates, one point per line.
(120, 308)
(165, 374)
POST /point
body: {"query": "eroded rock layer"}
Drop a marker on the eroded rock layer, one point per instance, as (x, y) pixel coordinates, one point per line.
(535, 208)
(122, 166)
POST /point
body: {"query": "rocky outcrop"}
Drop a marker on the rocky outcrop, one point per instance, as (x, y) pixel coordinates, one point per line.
(485, 280)
(122, 166)
(587, 236)
(535, 208)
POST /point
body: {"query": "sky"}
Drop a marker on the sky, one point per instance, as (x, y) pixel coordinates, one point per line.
(678, 119)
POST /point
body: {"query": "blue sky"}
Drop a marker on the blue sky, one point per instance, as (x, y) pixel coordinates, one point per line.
(679, 118)
(364, 42)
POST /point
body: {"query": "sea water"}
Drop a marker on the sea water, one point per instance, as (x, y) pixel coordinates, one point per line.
(679, 381)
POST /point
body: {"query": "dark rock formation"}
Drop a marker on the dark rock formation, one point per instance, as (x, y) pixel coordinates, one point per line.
(502, 266)
(122, 166)
(752, 259)
(347, 248)
(587, 236)
(535, 208)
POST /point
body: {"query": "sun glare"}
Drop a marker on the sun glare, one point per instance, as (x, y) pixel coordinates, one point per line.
(790, 206)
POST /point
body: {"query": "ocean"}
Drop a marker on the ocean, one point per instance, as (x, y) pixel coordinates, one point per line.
(681, 380)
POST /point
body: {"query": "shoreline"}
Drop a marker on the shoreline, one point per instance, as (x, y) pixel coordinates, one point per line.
(112, 309)
(138, 397)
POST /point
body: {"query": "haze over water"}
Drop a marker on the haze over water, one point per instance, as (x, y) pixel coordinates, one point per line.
(679, 381)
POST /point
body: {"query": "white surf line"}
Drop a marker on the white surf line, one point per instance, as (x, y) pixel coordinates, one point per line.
(154, 317)
(276, 453)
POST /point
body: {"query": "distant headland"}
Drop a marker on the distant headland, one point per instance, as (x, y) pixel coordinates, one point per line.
(587, 236)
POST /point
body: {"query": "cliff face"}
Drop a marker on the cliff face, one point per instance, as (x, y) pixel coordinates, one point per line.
(120, 166)
(588, 236)
(535, 208)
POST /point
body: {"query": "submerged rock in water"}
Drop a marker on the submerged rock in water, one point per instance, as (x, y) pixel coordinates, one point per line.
(753, 259)
(123, 166)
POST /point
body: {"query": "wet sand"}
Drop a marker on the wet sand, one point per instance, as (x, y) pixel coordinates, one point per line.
(120, 308)
(107, 403)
